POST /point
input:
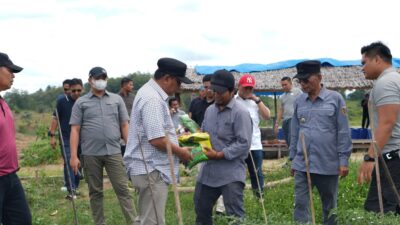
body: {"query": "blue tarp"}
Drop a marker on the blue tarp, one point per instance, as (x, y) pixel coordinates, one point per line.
(248, 68)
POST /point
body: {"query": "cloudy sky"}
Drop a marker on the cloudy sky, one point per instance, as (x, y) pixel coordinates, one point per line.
(58, 39)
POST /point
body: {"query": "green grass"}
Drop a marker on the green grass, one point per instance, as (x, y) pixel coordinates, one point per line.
(45, 198)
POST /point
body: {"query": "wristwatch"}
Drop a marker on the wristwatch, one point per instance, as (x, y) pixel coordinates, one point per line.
(50, 134)
(258, 101)
(368, 158)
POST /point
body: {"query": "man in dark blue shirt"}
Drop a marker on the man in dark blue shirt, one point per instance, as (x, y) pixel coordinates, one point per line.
(63, 109)
(198, 108)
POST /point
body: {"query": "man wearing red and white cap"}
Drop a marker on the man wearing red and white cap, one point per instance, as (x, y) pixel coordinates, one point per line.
(257, 110)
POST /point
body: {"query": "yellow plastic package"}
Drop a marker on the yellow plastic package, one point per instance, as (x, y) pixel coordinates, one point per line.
(198, 141)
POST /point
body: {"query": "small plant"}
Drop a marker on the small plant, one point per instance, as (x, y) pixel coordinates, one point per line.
(38, 153)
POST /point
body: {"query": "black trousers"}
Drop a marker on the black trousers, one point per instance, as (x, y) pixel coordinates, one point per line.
(206, 196)
(14, 209)
(365, 120)
(388, 197)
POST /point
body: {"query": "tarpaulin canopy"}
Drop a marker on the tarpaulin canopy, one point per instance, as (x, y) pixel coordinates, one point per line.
(249, 68)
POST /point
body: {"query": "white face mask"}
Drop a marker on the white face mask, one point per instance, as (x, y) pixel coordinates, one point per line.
(99, 84)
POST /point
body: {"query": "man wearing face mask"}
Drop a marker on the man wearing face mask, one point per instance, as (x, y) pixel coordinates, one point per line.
(257, 110)
(98, 121)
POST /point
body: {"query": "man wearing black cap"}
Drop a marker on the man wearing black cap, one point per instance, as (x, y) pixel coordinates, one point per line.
(150, 130)
(230, 127)
(98, 120)
(321, 116)
(14, 208)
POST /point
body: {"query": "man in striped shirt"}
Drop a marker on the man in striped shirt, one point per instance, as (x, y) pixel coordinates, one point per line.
(150, 129)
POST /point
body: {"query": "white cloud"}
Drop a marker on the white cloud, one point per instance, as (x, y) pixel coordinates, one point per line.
(66, 38)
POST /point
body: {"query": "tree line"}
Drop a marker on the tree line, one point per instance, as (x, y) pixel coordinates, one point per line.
(45, 100)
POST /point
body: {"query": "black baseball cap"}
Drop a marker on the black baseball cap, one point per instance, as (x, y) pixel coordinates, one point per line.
(307, 68)
(174, 68)
(97, 72)
(6, 62)
(222, 80)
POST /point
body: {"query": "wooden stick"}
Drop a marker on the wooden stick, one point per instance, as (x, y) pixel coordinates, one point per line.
(259, 187)
(376, 156)
(174, 187)
(308, 177)
(384, 166)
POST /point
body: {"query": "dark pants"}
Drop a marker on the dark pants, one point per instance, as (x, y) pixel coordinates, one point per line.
(206, 196)
(75, 179)
(286, 124)
(14, 209)
(327, 186)
(365, 119)
(123, 147)
(388, 197)
(258, 160)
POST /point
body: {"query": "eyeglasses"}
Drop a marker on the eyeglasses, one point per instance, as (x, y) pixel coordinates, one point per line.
(66, 89)
(76, 90)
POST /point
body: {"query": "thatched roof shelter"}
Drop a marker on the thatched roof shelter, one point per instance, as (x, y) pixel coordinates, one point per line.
(336, 74)
(337, 78)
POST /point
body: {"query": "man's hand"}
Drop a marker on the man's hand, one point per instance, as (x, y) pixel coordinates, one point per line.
(75, 164)
(365, 172)
(185, 154)
(343, 171)
(53, 142)
(212, 154)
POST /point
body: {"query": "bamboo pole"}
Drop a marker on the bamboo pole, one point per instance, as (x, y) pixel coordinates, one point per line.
(174, 187)
(259, 187)
(376, 160)
(68, 170)
(308, 177)
(385, 168)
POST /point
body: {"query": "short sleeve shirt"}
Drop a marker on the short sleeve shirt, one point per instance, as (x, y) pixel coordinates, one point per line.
(8, 147)
(252, 107)
(100, 120)
(287, 101)
(150, 119)
(386, 90)
(64, 108)
(128, 100)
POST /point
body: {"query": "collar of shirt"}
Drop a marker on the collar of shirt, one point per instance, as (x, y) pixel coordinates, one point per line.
(90, 94)
(322, 93)
(159, 90)
(386, 71)
(230, 105)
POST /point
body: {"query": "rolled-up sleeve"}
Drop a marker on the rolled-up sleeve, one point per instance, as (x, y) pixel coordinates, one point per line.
(243, 130)
(344, 144)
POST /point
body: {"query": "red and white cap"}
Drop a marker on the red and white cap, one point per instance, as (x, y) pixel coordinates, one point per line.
(247, 81)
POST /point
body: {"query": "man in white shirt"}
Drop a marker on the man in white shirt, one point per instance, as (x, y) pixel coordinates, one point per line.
(257, 110)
